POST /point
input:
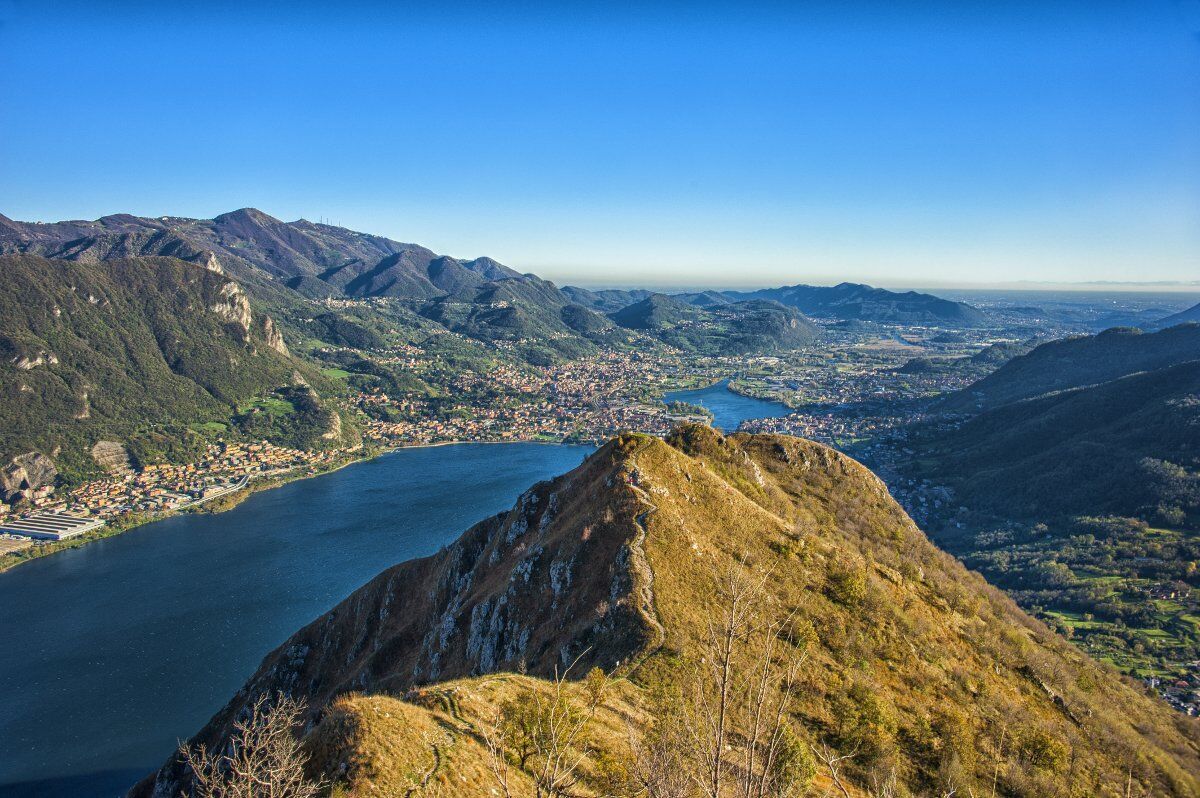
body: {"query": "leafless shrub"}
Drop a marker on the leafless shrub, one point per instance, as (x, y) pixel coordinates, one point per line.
(263, 758)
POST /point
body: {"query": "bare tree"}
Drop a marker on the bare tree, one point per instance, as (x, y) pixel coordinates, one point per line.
(546, 733)
(833, 762)
(729, 735)
(263, 758)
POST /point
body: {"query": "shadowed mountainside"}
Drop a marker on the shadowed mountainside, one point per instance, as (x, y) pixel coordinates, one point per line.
(1075, 363)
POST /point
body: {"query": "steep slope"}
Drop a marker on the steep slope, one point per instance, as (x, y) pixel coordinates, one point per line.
(1085, 504)
(1077, 362)
(118, 348)
(863, 302)
(1082, 451)
(915, 667)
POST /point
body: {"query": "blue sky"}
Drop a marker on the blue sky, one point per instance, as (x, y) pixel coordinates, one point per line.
(903, 143)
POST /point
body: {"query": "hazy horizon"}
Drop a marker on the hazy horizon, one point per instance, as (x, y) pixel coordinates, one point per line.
(904, 144)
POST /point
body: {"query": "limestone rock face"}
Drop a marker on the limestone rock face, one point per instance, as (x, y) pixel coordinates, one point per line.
(335, 428)
(30, 362)
(234, 308)
(25, 474)
(273, 337)
(209, 261)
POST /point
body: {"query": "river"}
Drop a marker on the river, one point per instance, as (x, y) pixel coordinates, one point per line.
(113, 651)
(729, 409)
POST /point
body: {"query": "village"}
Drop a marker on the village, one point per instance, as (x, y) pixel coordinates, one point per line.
(853, 390)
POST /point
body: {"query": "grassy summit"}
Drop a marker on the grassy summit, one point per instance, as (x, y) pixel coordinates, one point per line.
(872, 645)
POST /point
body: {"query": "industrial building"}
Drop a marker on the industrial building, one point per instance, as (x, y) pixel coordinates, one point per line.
(50, 526)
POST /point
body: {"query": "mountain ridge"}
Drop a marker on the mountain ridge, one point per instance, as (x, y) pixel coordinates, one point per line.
(857, 301)
(1076, 362)
(615, 564)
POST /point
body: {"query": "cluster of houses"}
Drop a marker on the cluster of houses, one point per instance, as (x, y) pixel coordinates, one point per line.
(166, 486)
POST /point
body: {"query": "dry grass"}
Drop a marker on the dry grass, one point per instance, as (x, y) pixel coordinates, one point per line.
(916, 666)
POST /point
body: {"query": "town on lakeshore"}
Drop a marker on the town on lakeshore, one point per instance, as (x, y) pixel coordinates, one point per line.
(838, 395)
(849, 390)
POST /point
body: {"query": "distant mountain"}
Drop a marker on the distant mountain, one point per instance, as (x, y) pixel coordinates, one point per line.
(530, 311)
(1076, 362)
(848, 301)
(1189, 316)
(733, 328)
(912, 666)
(657, 312)
(131, 351)
(316, 260)
(604, 300)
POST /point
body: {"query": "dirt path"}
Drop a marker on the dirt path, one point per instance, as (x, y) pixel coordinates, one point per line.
(645, 584)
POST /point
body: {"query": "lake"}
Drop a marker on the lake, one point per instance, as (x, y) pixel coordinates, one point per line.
(728, 408)
(114, 651)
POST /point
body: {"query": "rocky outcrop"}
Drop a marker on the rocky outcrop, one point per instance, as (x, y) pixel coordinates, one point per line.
(26, 475)
(30, 362)
(209, 261)
(234, 308)
(335, 427)
(272, 336)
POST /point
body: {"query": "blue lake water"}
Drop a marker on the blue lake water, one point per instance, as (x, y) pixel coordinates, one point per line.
(728, 408)
(112, 652)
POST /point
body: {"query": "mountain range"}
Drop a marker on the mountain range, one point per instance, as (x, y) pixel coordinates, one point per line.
(847, 301)
(907, 669)
(318, 260)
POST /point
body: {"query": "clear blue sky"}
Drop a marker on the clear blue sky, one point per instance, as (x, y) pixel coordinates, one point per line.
(896, 142)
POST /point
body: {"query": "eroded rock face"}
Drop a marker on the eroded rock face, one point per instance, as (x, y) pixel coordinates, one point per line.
(272, 336)
(112, 457)
(28, 363)
(25, 474)
(209, 261)
(234, 308)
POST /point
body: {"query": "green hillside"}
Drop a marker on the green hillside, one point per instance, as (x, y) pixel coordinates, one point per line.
(135, 350)
(1084, 503)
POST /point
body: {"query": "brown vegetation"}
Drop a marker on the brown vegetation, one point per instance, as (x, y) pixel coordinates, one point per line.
(771, 623)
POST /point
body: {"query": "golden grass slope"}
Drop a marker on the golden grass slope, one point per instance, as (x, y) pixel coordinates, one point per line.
(915, 665)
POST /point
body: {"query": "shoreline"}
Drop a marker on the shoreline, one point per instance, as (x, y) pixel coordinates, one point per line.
(136, 520)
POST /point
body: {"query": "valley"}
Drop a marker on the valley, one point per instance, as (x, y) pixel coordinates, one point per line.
(299, 368)
(558, 400)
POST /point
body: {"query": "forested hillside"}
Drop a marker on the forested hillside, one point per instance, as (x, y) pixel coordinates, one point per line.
(136, 351)
(1076, 486)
